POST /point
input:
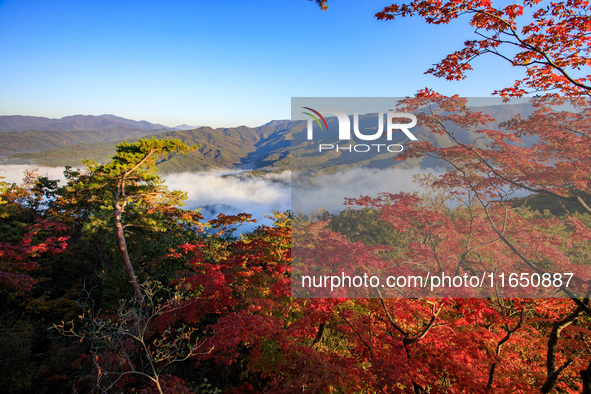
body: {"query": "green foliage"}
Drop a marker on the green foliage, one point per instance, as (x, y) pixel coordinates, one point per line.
(364, 225)
(133, 194)
(552, 204)
(207, 388)
(139, 157)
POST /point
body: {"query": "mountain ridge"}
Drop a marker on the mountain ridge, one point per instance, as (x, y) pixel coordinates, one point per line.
(278, 144)
(73, 123)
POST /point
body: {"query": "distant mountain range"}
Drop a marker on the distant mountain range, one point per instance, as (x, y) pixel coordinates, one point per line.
(74, 123)
(69, 140)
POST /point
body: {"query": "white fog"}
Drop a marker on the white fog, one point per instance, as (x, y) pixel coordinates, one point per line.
(230, 192)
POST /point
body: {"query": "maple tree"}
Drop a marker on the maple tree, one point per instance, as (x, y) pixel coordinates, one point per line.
(266, 341)
(28, 237)
(29, 244)
(551, 40)
(493, 344)
(489, 231)
(488, 171)
(18, 260)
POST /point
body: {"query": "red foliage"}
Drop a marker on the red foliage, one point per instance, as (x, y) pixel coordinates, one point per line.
(550, 40)
(283, 344)
(16, 261)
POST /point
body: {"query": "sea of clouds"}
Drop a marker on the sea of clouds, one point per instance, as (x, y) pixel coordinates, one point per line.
(14, 173)
(329, 191)
(232, 192)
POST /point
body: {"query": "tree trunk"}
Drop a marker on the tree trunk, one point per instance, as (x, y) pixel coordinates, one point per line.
(125, 255)
(553, 371)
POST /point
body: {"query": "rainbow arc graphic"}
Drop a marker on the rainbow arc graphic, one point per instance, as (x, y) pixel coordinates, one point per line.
(315, 118)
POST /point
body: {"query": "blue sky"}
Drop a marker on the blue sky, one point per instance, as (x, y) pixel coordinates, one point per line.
(217, 63)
